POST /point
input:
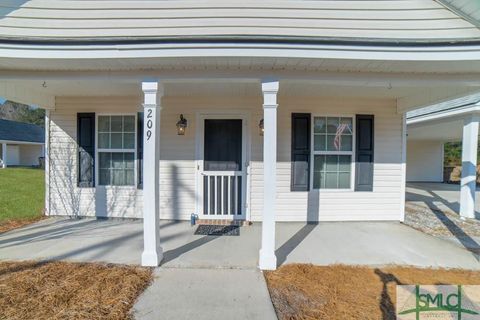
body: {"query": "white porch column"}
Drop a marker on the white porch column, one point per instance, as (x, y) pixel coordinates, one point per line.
(152, 251)
(469, 165)
(4, 155)
(268, 260)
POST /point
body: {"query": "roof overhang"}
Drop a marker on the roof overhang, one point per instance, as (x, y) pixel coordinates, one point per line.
(21, 142)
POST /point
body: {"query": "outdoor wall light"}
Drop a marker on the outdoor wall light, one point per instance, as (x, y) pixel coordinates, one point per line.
(261, 128)
(181, 126)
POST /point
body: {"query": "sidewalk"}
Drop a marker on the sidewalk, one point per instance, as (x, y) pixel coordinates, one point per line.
(205, 294)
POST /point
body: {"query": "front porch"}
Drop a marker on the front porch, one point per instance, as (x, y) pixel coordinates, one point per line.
(292, 171)
(116, 241)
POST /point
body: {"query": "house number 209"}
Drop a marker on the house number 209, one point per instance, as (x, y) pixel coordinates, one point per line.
(149, 124)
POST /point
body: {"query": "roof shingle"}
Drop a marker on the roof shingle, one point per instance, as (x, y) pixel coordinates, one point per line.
(19, 131)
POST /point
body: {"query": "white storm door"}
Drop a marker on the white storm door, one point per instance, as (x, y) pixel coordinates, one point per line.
(222, 170)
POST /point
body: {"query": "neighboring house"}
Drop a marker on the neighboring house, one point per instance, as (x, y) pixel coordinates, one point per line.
(21, 144)
(428, 130)
(232, 110)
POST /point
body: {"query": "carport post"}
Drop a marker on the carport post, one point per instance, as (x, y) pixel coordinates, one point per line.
(267, 259)
(152, 251)
(4, 155)
(469, 166)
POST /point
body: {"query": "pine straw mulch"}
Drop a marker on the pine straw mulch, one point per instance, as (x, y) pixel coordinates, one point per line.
(302, 291)
(11, 224)
(63, 290)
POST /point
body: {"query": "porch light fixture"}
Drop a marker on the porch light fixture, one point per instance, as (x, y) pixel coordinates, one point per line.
(181, 126)
(261, 128)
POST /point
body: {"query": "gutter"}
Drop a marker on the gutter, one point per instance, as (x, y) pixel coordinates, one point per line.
(243, 39)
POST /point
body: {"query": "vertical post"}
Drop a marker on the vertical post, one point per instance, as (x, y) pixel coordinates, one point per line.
(46, 154)
(267, 259)
(403, 166)
(4, 155)
(152, 252)
(469, 166)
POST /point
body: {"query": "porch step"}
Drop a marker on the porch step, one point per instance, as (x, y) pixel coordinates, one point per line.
(223, 222)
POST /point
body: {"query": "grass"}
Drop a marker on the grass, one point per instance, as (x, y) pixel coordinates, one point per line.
(62, 290)
(22, 194)
(302, 291)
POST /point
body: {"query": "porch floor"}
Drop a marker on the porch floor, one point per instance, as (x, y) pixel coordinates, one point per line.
(115, 241)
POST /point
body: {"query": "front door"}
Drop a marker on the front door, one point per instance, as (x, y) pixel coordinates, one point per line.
(222, 170)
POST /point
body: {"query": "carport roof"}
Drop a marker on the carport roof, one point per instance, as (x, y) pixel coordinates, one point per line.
(19, 131)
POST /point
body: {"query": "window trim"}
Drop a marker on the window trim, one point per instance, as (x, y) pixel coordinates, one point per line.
(340, 153)
(98, 150)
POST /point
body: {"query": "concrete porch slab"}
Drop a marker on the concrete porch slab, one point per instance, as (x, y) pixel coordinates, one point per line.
(114, 241)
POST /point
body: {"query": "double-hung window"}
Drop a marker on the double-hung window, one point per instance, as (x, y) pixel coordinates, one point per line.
(116, 150)
(333, 139)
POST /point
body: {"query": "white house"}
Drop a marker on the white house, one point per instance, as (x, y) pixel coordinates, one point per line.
(21, 144)
(279, 110)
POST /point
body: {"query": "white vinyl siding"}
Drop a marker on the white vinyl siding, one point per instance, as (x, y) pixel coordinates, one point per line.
(392, 19)
(178, 161)
(65, 197)
(381, 204)
(424, 161)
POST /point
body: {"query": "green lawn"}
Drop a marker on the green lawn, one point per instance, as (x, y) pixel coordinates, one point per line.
(22, 193)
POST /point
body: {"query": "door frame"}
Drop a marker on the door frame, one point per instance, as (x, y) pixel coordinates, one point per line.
(201, 116)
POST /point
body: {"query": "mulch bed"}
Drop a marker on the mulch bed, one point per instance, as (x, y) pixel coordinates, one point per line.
(63, 290)
(303, 291)
(11, 224)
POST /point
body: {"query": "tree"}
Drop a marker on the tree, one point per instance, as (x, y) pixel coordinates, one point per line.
(10, 110)
(32, 115)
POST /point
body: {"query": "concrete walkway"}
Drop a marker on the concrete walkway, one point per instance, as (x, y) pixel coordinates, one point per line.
(206, 294)
(362, 243)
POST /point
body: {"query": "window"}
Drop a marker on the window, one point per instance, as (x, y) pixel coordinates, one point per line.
(332, 152)
(116, 150)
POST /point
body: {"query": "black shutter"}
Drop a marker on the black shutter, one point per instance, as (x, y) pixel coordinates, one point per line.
(300, 174)
(86, 149)
(364, 153)
(140, 149)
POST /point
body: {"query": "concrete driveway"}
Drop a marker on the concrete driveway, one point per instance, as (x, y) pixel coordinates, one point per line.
(441, 196)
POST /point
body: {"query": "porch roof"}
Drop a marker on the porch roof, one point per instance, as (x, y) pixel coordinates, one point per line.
(382, 21)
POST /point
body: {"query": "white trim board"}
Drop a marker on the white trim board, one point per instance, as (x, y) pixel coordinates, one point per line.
(21, 142)
(360, 51)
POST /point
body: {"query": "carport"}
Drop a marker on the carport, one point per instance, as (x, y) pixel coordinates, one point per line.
(428, 129)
